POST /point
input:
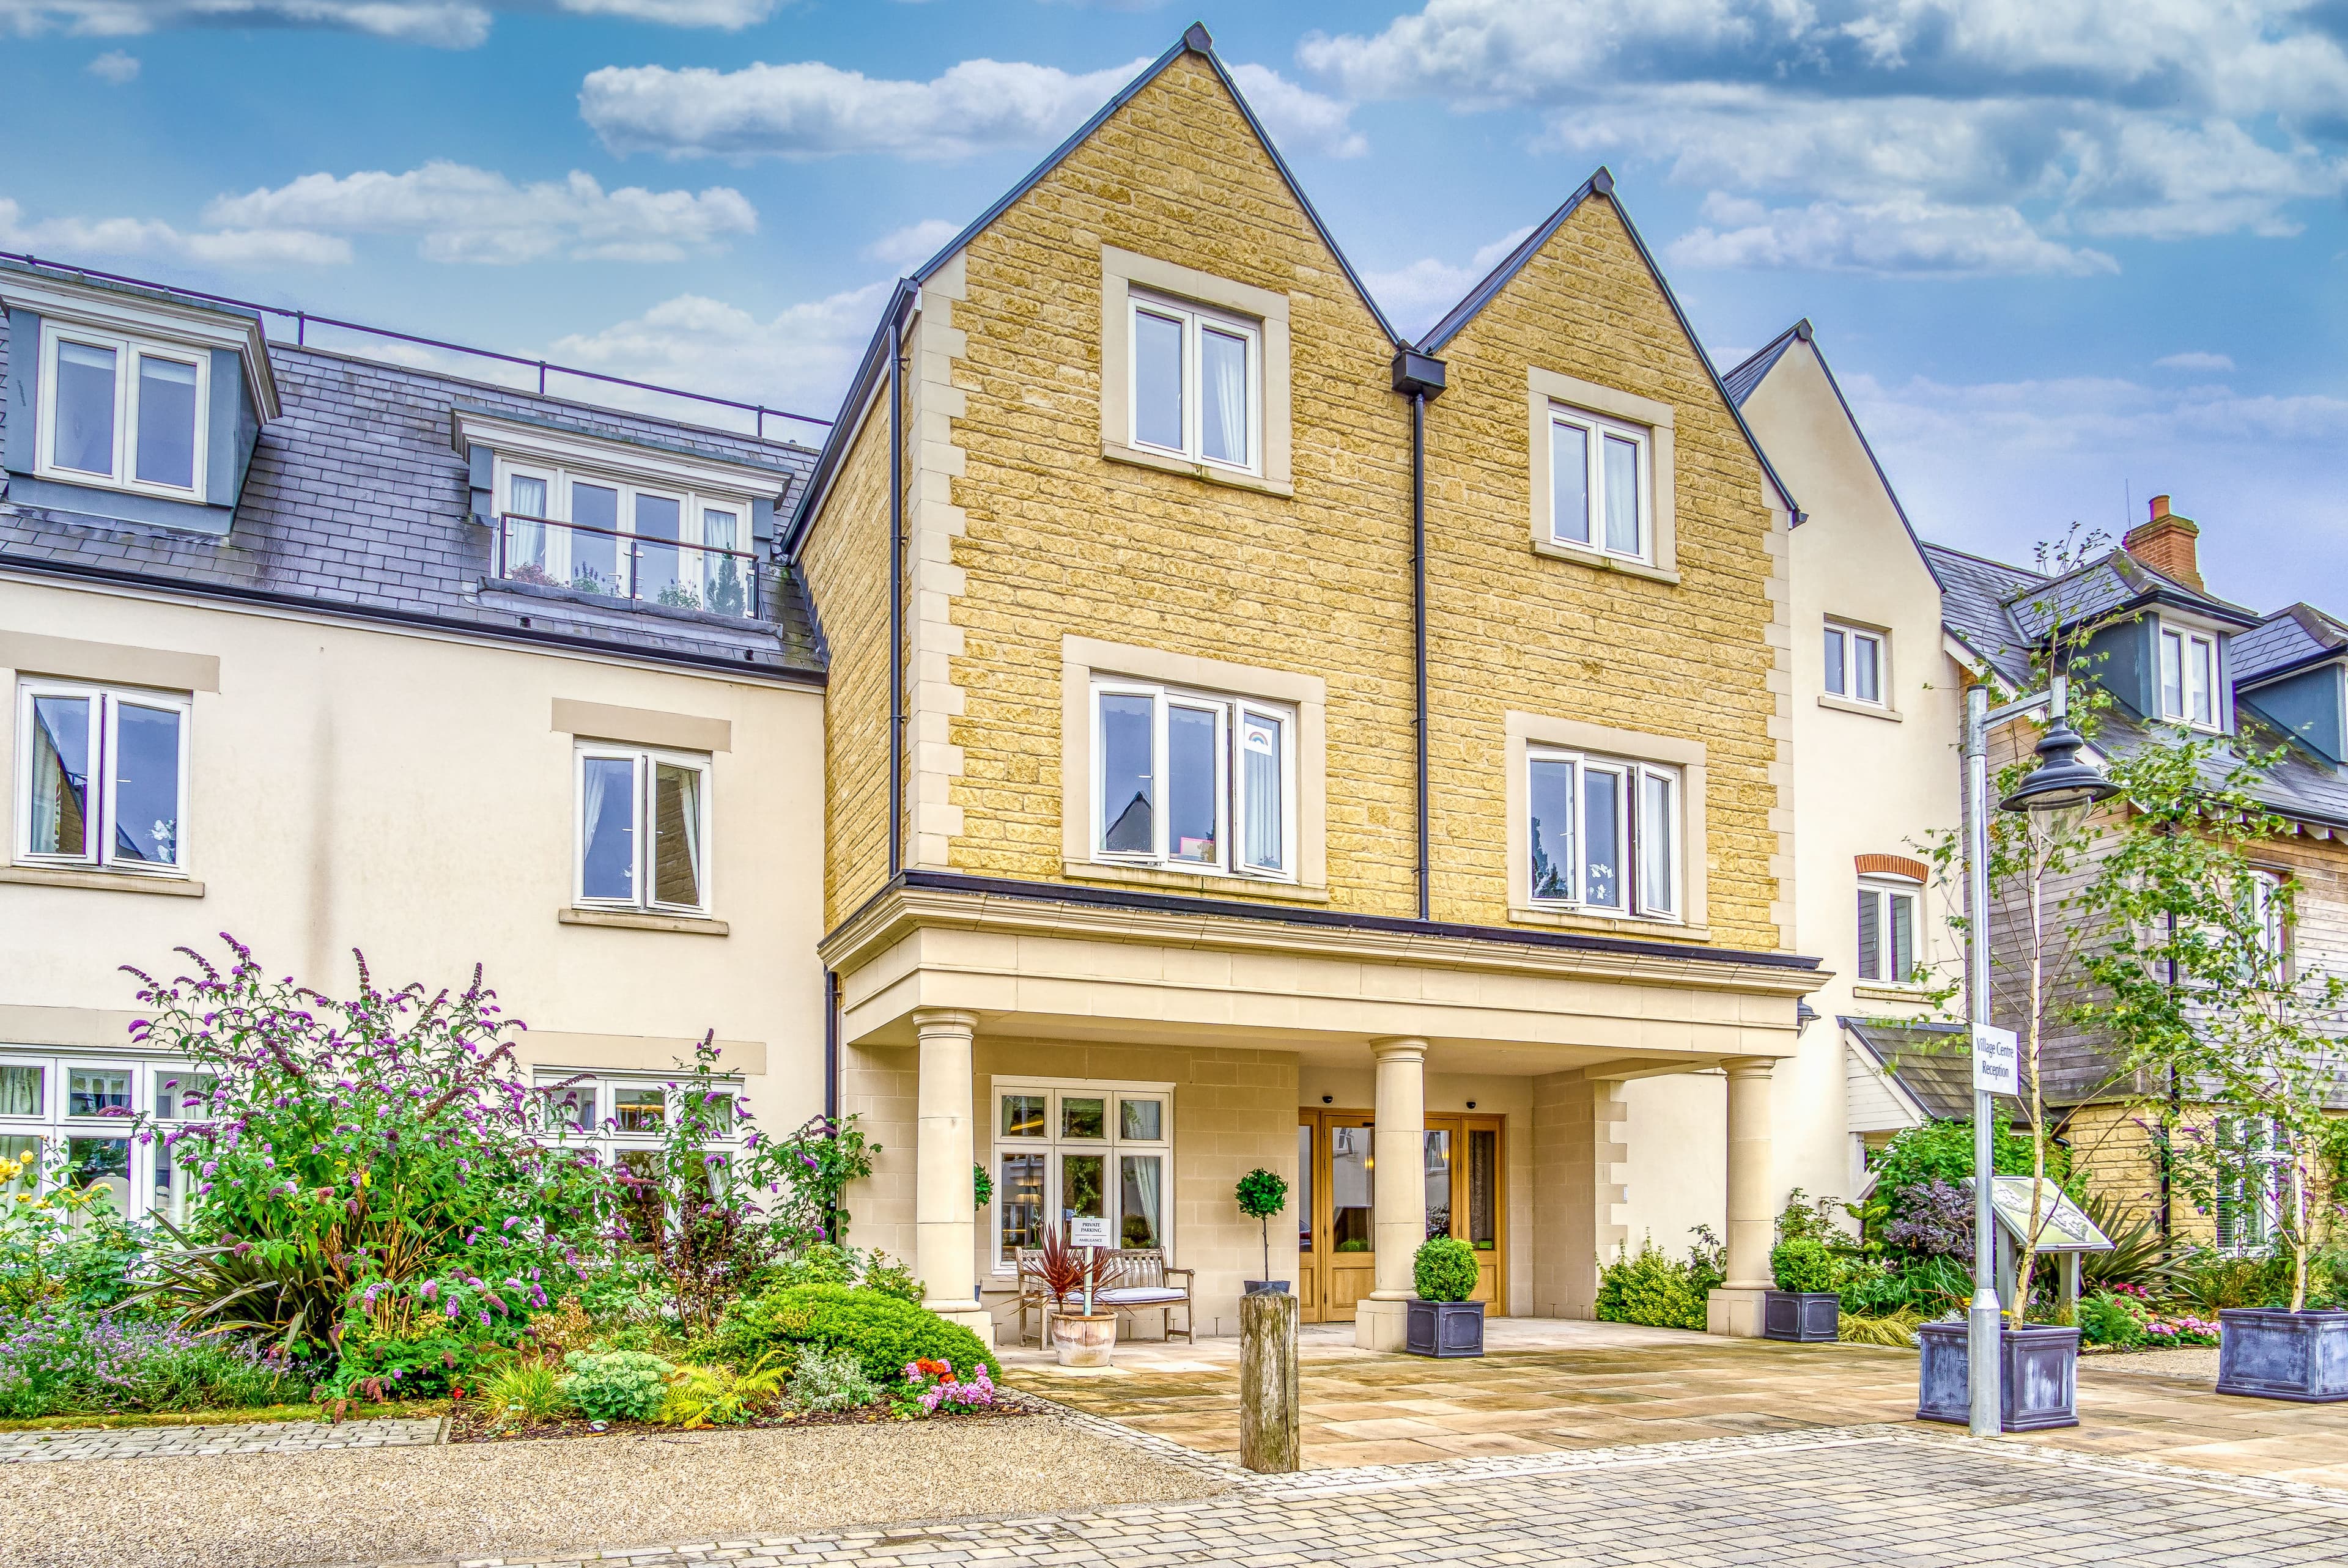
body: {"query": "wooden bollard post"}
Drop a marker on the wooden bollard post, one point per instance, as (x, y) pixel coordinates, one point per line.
(1269, 1439)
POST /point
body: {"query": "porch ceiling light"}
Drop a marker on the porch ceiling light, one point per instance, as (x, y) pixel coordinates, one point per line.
(2060, 779)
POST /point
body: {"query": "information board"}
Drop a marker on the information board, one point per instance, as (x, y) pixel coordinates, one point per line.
(2062, 1226)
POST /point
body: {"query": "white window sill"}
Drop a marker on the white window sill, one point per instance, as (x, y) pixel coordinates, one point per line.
(638, 920)
(1208, 883)
(1604, 562)
(1611, 925)
(1865, 709)
(169, 885)
(1874, 991)
(1169, 462)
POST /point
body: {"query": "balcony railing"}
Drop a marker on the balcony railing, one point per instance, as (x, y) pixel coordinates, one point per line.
(679, 574)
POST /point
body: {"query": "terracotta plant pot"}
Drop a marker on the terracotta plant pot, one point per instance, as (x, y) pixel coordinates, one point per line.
(1083, 1341)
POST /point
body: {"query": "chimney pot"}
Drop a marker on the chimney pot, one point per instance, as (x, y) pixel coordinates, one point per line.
(2159, 508)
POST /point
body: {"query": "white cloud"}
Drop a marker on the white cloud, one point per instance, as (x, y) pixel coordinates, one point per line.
(85, 237)
(1415, 297)
(1902, 235)
(800, 358)
(907, 248)
(466, 214)
(440, 24)
(811, 110)
(114, 67)
(2194, 360)
(1297, 118)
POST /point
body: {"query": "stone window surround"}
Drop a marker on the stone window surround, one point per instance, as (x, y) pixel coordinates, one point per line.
(1081, 657)
(1526, 730)
(1545, 388)
(1124, 271)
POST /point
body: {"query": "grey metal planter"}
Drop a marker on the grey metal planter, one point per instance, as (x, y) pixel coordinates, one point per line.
(1444, 1328)
(2038, 1377)
(2269, 1353)
(1804, 1316)
(1264, 1288)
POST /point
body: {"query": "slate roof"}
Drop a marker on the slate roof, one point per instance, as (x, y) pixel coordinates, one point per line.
(2284, 640)
(357, 504)
(1933, 1062)
(2111, 581)
(1743, 381)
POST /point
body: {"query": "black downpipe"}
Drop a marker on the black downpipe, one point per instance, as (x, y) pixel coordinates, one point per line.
(1419, 625)
(831, 1047)
(896, 595)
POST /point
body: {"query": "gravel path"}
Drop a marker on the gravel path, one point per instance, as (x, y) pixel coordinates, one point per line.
(2197, 1361)
(549, 1498)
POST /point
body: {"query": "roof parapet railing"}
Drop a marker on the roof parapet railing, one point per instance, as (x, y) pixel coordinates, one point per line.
(303, 319)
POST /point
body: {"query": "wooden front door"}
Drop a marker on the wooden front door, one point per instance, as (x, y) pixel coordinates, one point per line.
(1466, 1176)
(1467, 1181)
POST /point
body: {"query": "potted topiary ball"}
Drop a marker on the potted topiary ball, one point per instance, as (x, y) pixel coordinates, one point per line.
(1443, 1321)
(1260, 1194)
(1805, 1307)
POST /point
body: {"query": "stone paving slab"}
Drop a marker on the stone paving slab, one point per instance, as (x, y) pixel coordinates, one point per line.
(1790, 1500)
(245, 1438)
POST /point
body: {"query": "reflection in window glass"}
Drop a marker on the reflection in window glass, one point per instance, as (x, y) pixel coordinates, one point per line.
(147, 784)
(1601, 820)
(639, 1110)
(1621, 496)
(1350, 1180)
(1023, 1116)
(1304, 1186)
(1439, 1182)
(1569, 479)
(1658, 886)
(83, 437)
(1083, 1117)
(660, 521)
(167, 422)
(1552, 829)
(1084, 1191)
(20, 1090)
(724, 588)
(22, 1152)
(183, 1096)
(95, 1090)
(1222, 396)
(641, 1200)
(1837, 673)
(1140, 1182)
(60, 792)
(2172, 675)
(1019, 1201)
(1128, 825)
(607, 827)
(1158, 380)
(572, 1106)
(1259, 790)
(1140, 1120)
(102, 1162)
(1867, 674)
(1483, 1188)
(677, 834)
(1190, 791)
(595, 556)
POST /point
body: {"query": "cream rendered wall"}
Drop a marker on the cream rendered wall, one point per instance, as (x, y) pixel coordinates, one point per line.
(407, 794)
(1675, 1170)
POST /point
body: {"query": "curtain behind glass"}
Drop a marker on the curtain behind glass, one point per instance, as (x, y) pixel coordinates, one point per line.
(607, 828)
(20, 1090)
(1621, 496)
(60, 823)
(1260, 790)
(525, 535)
(83, 436)
(1138, 1181)
(1222, 383)
(721, 574)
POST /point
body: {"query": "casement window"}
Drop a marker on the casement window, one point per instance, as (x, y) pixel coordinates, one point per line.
(1887, 931)
(1601, 483)
(1065, 1150)
(2188, 677)
(1605, 833)
(72, 1115)
(1193, 780)
(101, 777)
(2253, 1157)
(644, 820)
(1196, 381)
(130, 412)
(625, 1117)
(1855, 663)
(599, 533)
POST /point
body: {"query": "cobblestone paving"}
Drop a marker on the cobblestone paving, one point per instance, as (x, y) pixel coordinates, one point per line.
(250, 1438)
(1866, 1494)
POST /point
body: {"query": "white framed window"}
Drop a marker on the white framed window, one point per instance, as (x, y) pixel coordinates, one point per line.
(623, 1116)
(594, 531)
(1601, 483)
(644, 822)
(2253, 1157)
(1887, 907)
(1193, 780)
(72, 1113)
(101, 777)
(1855, 667)
(131, 412)
(1605, 833)
(2188, 677)
(1069, 1148)
(1197, 389)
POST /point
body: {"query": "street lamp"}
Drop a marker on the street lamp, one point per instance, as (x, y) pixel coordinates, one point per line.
(2060, 780)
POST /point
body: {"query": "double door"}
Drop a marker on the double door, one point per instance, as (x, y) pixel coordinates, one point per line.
(1464, 1169)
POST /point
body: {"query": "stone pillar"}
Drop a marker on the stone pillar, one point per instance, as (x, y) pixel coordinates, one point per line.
(945, 1231)
(1397, 1190)
(1735, 1307)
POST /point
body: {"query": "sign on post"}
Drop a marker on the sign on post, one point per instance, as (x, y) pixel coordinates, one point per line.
(1997, 1061)
(1086, 1232)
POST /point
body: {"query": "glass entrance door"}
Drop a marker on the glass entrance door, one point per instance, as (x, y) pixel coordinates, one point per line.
(1464, 1194)
(1464, 1173)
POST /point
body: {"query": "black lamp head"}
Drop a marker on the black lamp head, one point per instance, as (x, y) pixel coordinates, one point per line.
(2060, 779)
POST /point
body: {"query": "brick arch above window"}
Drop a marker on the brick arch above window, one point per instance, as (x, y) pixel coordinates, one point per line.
(1894, 865)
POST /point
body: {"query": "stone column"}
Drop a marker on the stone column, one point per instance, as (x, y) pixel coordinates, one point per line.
(945, 1231)
(1397, 1190)
(1735, 1307)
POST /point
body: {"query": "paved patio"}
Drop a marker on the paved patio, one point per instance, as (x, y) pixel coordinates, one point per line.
(1553, 1386)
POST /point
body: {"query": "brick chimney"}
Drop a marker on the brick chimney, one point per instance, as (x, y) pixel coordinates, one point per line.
(2166, 544)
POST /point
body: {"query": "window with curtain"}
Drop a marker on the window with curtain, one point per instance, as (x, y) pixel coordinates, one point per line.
(1196, 381)
(1599, 476)
(644, 820)
(622, 535)
(70, 1114)
(102, 777)
(1604, 833)
(2253, 1157)
(1193, 780)
(1075, 1149)
(123, 410)
(1887, 932)
(2188, 677)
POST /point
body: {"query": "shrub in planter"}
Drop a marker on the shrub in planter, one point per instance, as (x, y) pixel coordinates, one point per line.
(1805, 1265)
(617, 1385)
(1443, 1321)
(882, 1332)
(1261, 1194)
(1445, 1269)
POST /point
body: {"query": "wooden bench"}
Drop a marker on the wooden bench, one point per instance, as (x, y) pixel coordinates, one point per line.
(1143, 1282)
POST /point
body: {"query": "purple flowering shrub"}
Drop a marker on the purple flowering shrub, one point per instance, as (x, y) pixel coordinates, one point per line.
(59, 1361)
(367, 1172)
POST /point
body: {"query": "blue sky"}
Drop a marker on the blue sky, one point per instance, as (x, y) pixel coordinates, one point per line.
(2061, 252)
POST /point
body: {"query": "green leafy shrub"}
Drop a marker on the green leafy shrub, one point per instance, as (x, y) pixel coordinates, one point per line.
(1803, 1263)
(830, 1263)
(1665, 1292)
(2107, 1318)
(529, 1390)
(830, 1379)
(61, 1361)
(420, 1365)
(890, 1277)
(1445, 1269)
(617, 1385)
(883, 1332)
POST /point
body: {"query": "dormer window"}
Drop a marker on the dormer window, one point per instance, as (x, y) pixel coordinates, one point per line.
(123, 410)
(2188, 677)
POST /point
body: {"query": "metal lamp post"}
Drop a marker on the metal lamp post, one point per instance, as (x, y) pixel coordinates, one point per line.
(2060, 780)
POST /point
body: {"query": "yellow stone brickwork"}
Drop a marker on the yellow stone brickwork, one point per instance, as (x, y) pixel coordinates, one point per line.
(1705, 658)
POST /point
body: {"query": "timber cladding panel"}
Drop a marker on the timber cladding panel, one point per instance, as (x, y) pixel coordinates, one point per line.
(1707, 659)
(846, 559)
(1059, 540)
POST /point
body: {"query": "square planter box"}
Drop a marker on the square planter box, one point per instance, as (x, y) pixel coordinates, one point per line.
(1804, 1316)
(1444, 1328)
(2038, 1371)
(2267, 1353)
